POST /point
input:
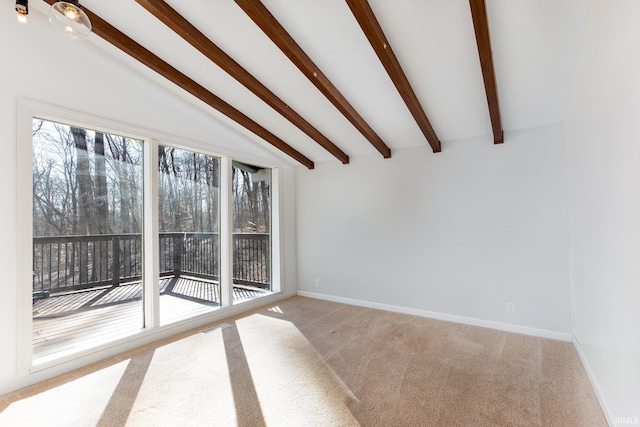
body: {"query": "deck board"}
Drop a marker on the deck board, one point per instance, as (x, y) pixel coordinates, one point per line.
(75, 321)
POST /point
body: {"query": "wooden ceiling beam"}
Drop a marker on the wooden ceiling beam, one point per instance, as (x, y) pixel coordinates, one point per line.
(276, 32)
(112, 35)
(371, 28)
(481, 26)
(181, 26)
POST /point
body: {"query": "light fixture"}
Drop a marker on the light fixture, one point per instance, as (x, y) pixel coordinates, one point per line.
(69, 18)
(22, 9)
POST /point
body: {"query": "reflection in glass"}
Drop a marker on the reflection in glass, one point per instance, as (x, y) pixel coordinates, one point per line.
(251, 188)
(87, 241)
(189, 217)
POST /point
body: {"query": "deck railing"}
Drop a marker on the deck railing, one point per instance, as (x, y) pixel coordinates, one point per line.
(81, 262)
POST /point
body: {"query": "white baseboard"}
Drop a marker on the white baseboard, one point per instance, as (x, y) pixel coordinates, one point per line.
(594, 382)
(507, 327)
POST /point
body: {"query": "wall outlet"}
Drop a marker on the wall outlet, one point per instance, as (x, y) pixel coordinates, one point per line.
(511, 307)
(317, 283)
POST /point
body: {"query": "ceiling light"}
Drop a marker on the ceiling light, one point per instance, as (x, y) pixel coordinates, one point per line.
(22, 9)
(69, 18)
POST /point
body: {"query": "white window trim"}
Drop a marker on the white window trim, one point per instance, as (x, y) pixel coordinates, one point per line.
(150, 239)
(226, 232)
(26, 111)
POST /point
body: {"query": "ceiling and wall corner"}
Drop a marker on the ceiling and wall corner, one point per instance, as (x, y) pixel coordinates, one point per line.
(510, 199)
(374, 231)
(603, 146)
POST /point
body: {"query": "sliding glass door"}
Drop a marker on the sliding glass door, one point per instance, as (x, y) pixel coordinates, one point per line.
(189, 226)
(251, 189)
(121, 245)
(87, 237)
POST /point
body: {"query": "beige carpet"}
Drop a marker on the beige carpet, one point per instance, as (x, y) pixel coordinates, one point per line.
(307, 362)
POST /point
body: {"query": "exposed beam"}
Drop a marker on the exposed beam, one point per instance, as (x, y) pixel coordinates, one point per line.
(112, 35)
(481, 26)
(171, 18)
(276, 32)
(371, 28)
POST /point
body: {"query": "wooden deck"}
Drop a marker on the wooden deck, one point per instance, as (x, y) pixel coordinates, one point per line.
(74, 321)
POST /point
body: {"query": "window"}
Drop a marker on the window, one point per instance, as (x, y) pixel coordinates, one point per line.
(87, 237)
(251, 189)
(189, 229)
(119, 247)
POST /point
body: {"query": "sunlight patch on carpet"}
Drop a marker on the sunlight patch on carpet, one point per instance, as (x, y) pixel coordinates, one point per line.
(85, 397)
(276, 309)
(291, 381)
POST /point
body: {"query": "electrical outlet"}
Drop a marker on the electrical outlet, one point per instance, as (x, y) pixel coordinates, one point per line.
(511, 307)
(317, 283)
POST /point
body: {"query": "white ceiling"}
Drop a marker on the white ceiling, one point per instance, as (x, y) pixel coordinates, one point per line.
(535, 45)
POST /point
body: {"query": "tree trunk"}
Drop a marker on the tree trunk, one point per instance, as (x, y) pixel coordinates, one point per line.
(101, 196)
(102, 205)
(85, 211)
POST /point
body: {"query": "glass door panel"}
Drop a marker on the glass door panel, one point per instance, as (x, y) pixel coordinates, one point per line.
(189, 224)
(87, 238)
(251, 190)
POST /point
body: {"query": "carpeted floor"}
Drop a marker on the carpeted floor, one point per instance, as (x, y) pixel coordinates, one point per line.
(306, 362)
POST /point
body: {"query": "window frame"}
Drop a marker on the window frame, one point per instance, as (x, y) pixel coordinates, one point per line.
(27, 110)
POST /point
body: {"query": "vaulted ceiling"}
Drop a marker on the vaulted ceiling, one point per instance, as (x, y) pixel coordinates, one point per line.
(332, 79)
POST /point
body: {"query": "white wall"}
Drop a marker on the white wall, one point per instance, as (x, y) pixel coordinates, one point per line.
(462, 232)
(603, 138)
(34, 60)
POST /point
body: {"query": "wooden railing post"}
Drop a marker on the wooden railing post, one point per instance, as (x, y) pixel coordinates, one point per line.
(116, 260)
(177, 254)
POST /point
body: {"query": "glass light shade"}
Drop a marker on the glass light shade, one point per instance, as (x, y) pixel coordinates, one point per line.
(69, 19)
(22, 10)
